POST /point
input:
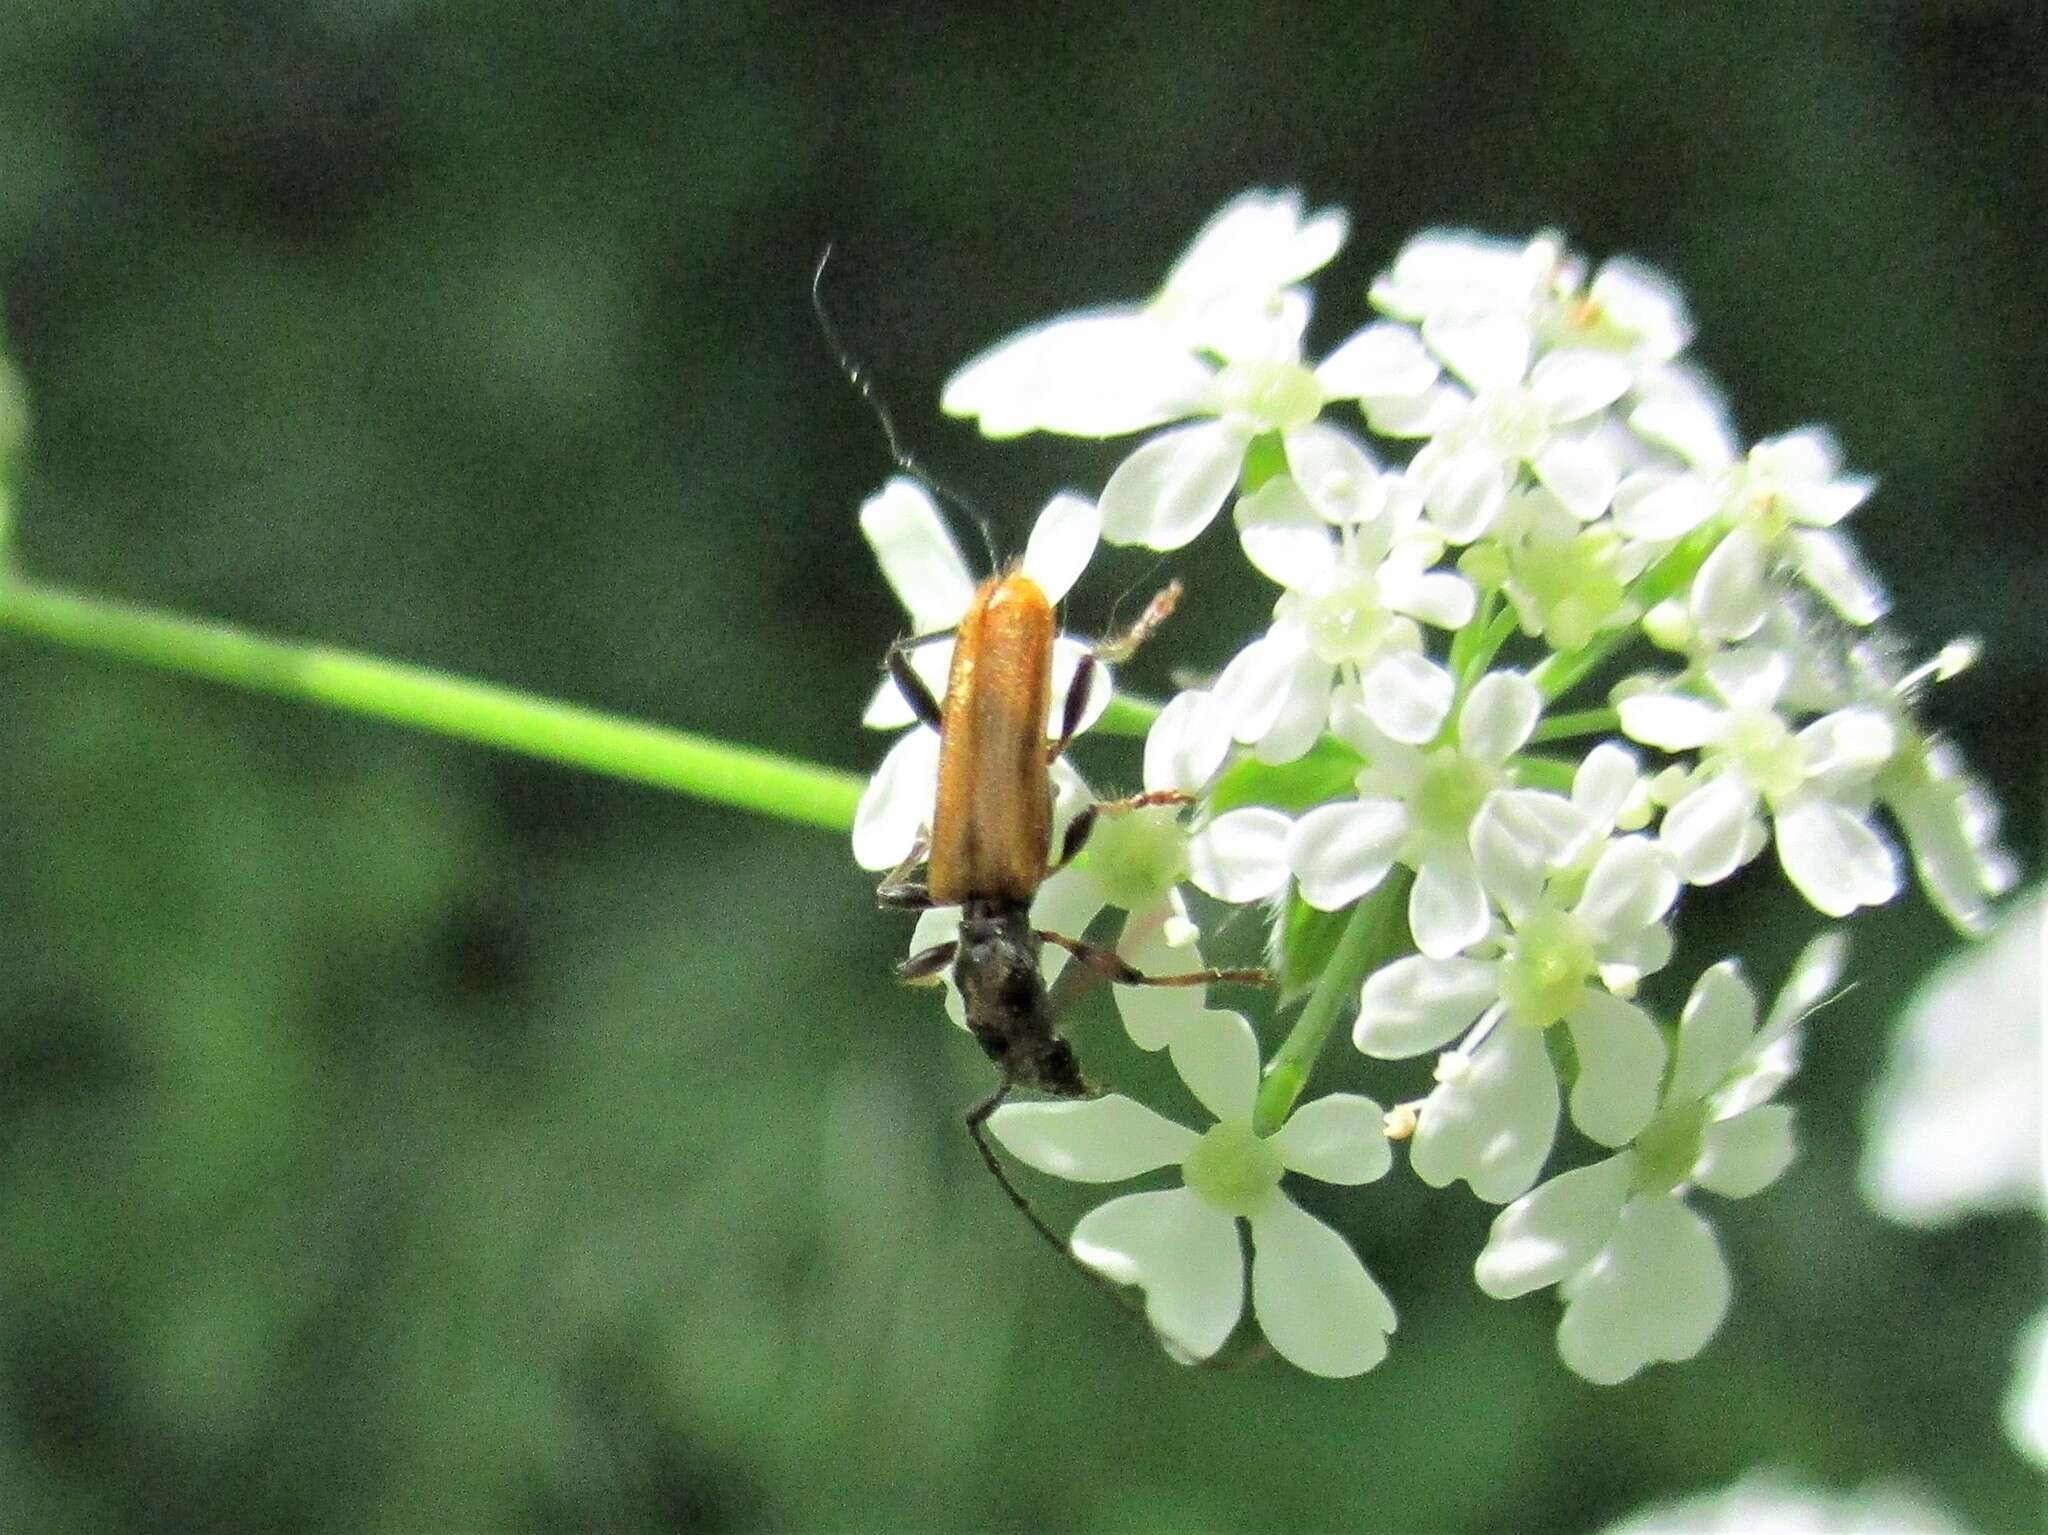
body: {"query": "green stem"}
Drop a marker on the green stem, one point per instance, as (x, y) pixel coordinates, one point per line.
(1127, 715)
(1587, 722)
(1544, 773)
(447, 705)
(1485, 648)
(1377, 927)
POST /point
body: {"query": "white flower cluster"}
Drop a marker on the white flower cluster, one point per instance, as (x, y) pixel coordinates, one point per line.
(1468, 508)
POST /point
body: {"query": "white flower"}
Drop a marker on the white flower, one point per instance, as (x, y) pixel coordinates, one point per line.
(1955, 1122)
(1517, 413)
(1358, 589)
(1949, 819)
(1125, 368)
(1771, 1505)
(1640, 1273)
(1220, 347)
(1815, 783)
(1172, 487)
(1314, 1300)
(1444, 276)
(924, 568)
(1492, 1116)
(1781, 504)
(1451, 813)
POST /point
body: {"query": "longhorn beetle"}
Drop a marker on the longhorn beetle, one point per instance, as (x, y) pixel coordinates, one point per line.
(987, 849)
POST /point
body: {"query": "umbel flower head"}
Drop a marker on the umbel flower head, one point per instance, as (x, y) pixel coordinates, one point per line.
(1551, 646)
(1314, 1300)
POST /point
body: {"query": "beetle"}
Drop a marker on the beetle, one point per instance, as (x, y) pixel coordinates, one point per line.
(988, 847)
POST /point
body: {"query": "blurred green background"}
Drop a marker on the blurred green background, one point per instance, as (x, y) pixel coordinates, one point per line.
(401, 1136)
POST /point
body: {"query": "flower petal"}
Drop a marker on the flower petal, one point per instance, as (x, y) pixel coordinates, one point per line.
(897, 803)
(1407, 696)
(1487, 349)
(1155, 1015)
(1621, 1064)
(1286, 539)
(1713, 1032)
(1098, 374)
(1062, 543)
(1172, 487)
(1447, 906)
(1498, 716)
(1603, 783)
(1241, 855)
(1581, 473)
(1417, 1004)
(1740, 1156)
(1339, 1138)
(1554, 1230)
(919, 559)
(1217, 1055)
(1493, 1123)
(1656, 1292)
(1465, 490)
(1708, 832)
(1573, 383)
(1098, 1140)
(1657, 505)
(1630, 887)
(1335, 472)
(1812, 977)
(1315, 1302)
(1670, 722)
(1184, 1254)
(1831, 565)
(1384, 361)
(1730, 597)
(1187, 743)
(1834, 858)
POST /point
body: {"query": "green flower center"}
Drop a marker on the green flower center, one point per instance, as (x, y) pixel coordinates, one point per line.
(1449, 793)
(1573, 584)
(1545, 970)
(1137, 858)
(1669, 1148)
(1269, 396)
(1347, 622)
(1763, 750)
(1232, 1169)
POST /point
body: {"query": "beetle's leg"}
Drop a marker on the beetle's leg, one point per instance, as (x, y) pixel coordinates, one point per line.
(927, 965)
(898, 889)
(1111, 967)
(1082, 825)
(910, 685)
(1115, 650)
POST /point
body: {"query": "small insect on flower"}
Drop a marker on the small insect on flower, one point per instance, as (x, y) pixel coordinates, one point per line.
(988, 848)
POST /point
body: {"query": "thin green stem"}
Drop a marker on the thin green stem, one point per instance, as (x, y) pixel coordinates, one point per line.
(1544, 773)
(1587, 722)
(1377, 927)
(436, 701)
(1127, 715)
(1485, 648)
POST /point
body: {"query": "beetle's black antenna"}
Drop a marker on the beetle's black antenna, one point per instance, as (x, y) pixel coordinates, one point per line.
(857, 376)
